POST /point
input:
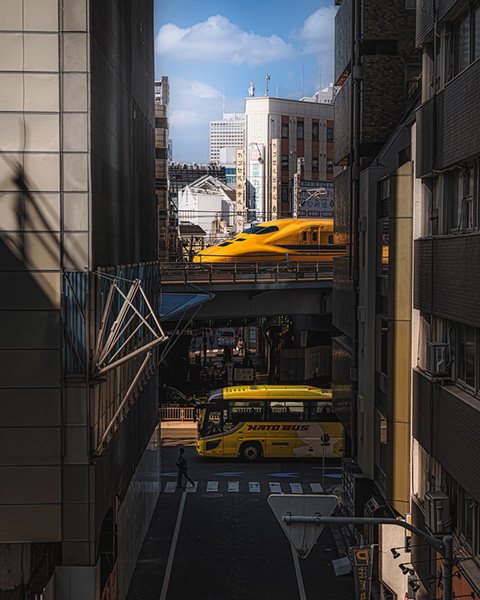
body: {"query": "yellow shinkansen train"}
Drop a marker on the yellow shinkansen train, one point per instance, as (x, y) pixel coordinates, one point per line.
(280, 240)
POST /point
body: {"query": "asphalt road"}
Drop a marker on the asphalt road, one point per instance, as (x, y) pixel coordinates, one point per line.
(228, 544)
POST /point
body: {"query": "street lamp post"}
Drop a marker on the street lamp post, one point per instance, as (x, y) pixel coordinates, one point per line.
(445, 547)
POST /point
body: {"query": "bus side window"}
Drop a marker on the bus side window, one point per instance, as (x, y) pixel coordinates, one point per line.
(288, 411)
(250, 410)
(322, 411)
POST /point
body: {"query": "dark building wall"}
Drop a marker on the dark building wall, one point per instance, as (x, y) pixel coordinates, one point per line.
(342, 207)
(447, 277)
(445, 131)
(343, 40)
(454, 441)
(341, 383)
(122, 123)
(342, 134)
(342, 295)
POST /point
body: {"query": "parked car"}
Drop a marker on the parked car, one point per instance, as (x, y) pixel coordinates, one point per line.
(226, 337)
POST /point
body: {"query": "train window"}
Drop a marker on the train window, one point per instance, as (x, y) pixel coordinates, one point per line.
(314, 236)
(225, 244)
(330, 239)
(258, 230)
(304, 236)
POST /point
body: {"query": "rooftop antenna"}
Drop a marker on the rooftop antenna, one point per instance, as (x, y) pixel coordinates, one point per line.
(302, 81)
(267, 77)
(277, 90)
(251, 89)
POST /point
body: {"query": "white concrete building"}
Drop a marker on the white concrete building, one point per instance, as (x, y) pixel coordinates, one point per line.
(227, 133)
(278, 132)
(210, 204)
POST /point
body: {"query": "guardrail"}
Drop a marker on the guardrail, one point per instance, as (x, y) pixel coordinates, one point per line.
(167, 413)
(245, 272)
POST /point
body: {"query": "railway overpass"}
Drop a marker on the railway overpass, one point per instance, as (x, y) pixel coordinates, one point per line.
(251, 290)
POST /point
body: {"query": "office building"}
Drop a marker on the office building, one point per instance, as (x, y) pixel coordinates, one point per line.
(168, 241)
(377, 68)
(279, 132)
(227, 133)
(79, 458)
(445, 342)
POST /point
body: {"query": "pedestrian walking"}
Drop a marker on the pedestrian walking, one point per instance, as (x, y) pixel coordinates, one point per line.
(182, 465)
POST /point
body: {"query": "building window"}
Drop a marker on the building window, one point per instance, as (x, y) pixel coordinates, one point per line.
(466, 355)
(284, 130)
(300, 130)
(285, 162)
(315, 164)
(329, 134)
(410, 4)
(450, 200)
(461, 36)
(329, 165)
(284, 193)
(315, 131)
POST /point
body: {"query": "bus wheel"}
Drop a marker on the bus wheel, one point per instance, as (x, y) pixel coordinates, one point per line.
(251, 451)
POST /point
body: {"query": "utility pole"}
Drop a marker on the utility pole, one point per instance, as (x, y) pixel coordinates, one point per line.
(296, 187)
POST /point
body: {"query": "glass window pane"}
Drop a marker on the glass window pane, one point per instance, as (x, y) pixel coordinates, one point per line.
(470, 357)
(476, 31)
(461, 352)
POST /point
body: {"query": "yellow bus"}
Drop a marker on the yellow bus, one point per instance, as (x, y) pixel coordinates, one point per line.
(271, 421)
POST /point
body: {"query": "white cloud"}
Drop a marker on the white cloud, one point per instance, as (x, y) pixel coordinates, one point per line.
(318, 31)
(203, 90)
(218, 40)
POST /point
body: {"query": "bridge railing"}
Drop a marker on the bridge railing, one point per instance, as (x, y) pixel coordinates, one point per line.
(173, 413)
(245, 272)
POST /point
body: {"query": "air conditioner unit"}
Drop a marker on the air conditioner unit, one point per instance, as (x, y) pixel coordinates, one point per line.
(437, 512)
(437, 358)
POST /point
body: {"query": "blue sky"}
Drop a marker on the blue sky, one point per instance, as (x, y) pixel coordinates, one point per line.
(206, 47)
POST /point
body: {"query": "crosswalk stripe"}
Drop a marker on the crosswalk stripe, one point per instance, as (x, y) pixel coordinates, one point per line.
(253, 486)
(170, 487)
(275, 487)
(316, 488)
(212, 486)
(296, 488)
(233, 486)
(191, 488)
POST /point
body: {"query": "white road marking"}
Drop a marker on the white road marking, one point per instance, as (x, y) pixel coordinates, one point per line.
(275, 487)
(168, 570)
(191, 488)
(296, 488)
(233, 486)
(170, 487)
(212, 486)
(298, 573)
(316, 488)
(253, 486)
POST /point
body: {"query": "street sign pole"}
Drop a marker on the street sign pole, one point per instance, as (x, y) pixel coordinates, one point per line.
(445, 547)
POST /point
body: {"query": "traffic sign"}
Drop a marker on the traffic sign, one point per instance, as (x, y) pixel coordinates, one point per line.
(302, 535)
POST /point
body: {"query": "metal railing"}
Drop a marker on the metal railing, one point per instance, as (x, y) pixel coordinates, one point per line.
(246, 272)
(167, 413)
